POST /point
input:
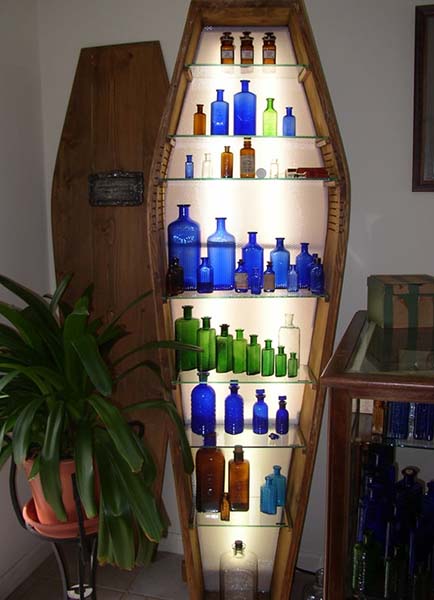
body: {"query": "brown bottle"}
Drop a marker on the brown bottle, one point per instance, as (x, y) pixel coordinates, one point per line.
(174, 278)
(199, 121)
(247, 159)
(210, 475)
(227, 50)
(225, 508)
(269, 48)
(227, 163)
(239, 478)
(246, 50)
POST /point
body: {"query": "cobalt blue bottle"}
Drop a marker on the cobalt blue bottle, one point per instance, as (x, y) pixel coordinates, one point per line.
(303, 263)
(189, 166)
(203, 418)
(205, 277)
(244, 111)
(255, 282)
(184, 244)
(219, 115)
(253, 256)
(397, 420)
(260, 413)
(423, 422)
(279, 256)
(317, 278)
(279, 483)
(234, 410)
(408, 500)
(221, 254)
(292, 279)
(288, 123)
(282, 417)
(268, 502)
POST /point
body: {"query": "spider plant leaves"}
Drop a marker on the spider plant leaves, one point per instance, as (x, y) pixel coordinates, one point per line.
(93, 363)
(60, 290)
(84, 468)
(23, 430)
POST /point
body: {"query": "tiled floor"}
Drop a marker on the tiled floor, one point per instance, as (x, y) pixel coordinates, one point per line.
(161, 581)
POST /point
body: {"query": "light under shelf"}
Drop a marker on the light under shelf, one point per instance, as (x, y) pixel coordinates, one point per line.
(211, 70)
(250, 518)
(231, 294)
(304, 376)
(248, 439)
(245, 179)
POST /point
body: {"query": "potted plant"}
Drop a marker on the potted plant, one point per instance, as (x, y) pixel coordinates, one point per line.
(56, 384)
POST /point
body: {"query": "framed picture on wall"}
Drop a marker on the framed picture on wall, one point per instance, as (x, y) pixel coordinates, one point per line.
(423, 121)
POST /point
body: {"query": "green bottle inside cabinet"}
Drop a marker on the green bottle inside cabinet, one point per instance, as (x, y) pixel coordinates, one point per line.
(225, 349)
(240, 352)
(206, 339)
(186, 328)
(253, 356)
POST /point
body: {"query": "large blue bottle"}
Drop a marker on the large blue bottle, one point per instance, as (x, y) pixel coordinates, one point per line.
(288, 122)
(253, 257)
(260, 413)
(203, 419)
(244, 111)
(221, 254)
(279, 256)
(219, 115)
(424, 422)
(303, 263)
(184, 244)
(234, 410)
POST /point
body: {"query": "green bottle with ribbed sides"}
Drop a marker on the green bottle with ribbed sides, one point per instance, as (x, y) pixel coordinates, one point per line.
(186, 332)
(206, 339)
(240, 352)
(292, 365)
(253, 356)
(269, 119)
(281, 362)
(267, 359)
(225, 349)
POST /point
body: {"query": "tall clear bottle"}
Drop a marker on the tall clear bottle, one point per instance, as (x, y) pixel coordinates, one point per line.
(238, 574)
(245, 110)
(210, 475)
(234, 410)
(186, 328)
(280, 256)
(206, 339)
(219, 115)
(184, 244)
(239, 481)
(203, 418)
(253, 256)
(207, 170)
(269, 119)
(289, 336)
(221, 254)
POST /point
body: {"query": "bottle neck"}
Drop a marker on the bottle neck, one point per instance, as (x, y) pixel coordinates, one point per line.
(270, 102)
(279, 243)
(239, 333)
(221, 221)
(304, 246)
(253, 340)
(199, 108)
(188, 312)
(206, 322)
(224, 330)
(203, 376)
(245, 85)
(184, 210)
(289, 318)
(267, 344)
(280, 349)
(205, 261)
(289, 111)
(220, 95)
(276, 469)
(252, 237)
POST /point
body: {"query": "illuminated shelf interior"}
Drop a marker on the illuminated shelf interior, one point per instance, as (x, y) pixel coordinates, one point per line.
(304, 376)
(211, 70)
(248, 439)
(231, 294)
(246, 179)
(250, 518)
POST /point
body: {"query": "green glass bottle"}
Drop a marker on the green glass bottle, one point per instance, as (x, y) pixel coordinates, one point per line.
(253, 356)
(206, 339)
(292, 365)
(186, 332)
(267, 359)
(281, 362)
(225, 349)
(269, 119)
(366, 566)
(240, 352)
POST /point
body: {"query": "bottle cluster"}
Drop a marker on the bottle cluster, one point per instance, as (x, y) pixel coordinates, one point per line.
(404, 420)
(225, 354)
(217, 271)
(247, 49)
(392, 555)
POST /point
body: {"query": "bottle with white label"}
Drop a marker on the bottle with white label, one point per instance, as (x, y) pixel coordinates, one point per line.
(247, 159)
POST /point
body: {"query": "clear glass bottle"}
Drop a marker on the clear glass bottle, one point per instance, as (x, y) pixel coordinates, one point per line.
(247, 160)
(203, 418)
(239, 481)
(245, 110)
(205, 276)
(186, 332)
(315, 590)
(234, 410)
(293, 279)
(317, 278)
(184, 244)
(274, 169)
(206, 339)
(221, 253)
(199, 121)
(253, 256)
(219, 115)
(303, 264)
(226, 163)
(289, 336)
(268, 504)
(269, 278)
(279, 483)
(288, 123)
(253, 356)
(269, 119)
(207, 171)
(210, 475)
(260, 414)
(292, 365)
(174, 278)
(280, 256)
(282, 416)
(269, 48)
(238, 574)
(225, 349)
(189, 166)
(281, 361)
(240, 352)
(227, 50)
(241, 283)
(267, 359)
(246, 49)
(255, 281)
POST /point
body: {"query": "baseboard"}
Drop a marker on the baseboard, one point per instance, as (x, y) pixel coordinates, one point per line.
(15, 576)
(171, 543)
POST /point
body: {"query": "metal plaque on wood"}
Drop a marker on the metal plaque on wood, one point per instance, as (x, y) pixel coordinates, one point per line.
(116, 188)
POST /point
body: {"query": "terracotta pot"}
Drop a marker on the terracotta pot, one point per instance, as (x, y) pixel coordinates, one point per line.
(57, 530)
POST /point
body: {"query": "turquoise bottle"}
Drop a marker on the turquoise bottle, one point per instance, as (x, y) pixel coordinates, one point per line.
(240, 352)
(186, 328)
(253, 356)
(225, 349)
(268, 501)
(279, 483)
(206, 339)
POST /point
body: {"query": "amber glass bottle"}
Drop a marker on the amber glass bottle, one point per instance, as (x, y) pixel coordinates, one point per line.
(239, 479)
(225, 508)
(199, 121)
(269, 48)
(246, 49)
(227, 163)
(210, 475)
(247, 159)
(227, 50)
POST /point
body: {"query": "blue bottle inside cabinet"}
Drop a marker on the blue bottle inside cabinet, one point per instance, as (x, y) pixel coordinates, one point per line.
(293, 279)
(221, 254)
(279, 256)
(203, 409)
(245, 110)
(268, 497)
(205, 276)
(219, 115)
(189, 167)
(317, 278)
(282, 417)
(303, 264)
(288, 122)
(253, 257)
(234, 410)
(260, 414)
(184, 244)
(423, 422)
(408, 500)
(397, 420)
(279, 483)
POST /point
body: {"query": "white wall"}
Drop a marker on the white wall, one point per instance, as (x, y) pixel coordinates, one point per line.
(23, 222)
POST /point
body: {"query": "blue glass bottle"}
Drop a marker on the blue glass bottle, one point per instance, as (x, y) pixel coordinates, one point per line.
(279, 256)
(292, 279)
(282, 417)
(221, 254)
(219, 115)
(428, 515)
(279, 483)
(268, 497)
(255, 281)
(303, 263)
(241, 278)
(234, 410)
(184, 243)
(424, 422)
(408, 500)
(397, 420)
(205, 276)
(203, 418)
(245, 110)
(253, 256)
(260, 413)
(189, 166)
(317, 278)
(288, 122)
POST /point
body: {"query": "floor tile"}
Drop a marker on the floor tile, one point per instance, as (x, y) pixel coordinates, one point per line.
(104, 594)
(37, 589)
(115, 579)
(154, 581)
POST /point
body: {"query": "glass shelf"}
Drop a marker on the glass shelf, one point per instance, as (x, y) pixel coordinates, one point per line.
(304, 376)
(248, 439)
(216, 295)
(211, 70)
(246, 179)
(299, 140)
(250, 518)
(363, 429)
